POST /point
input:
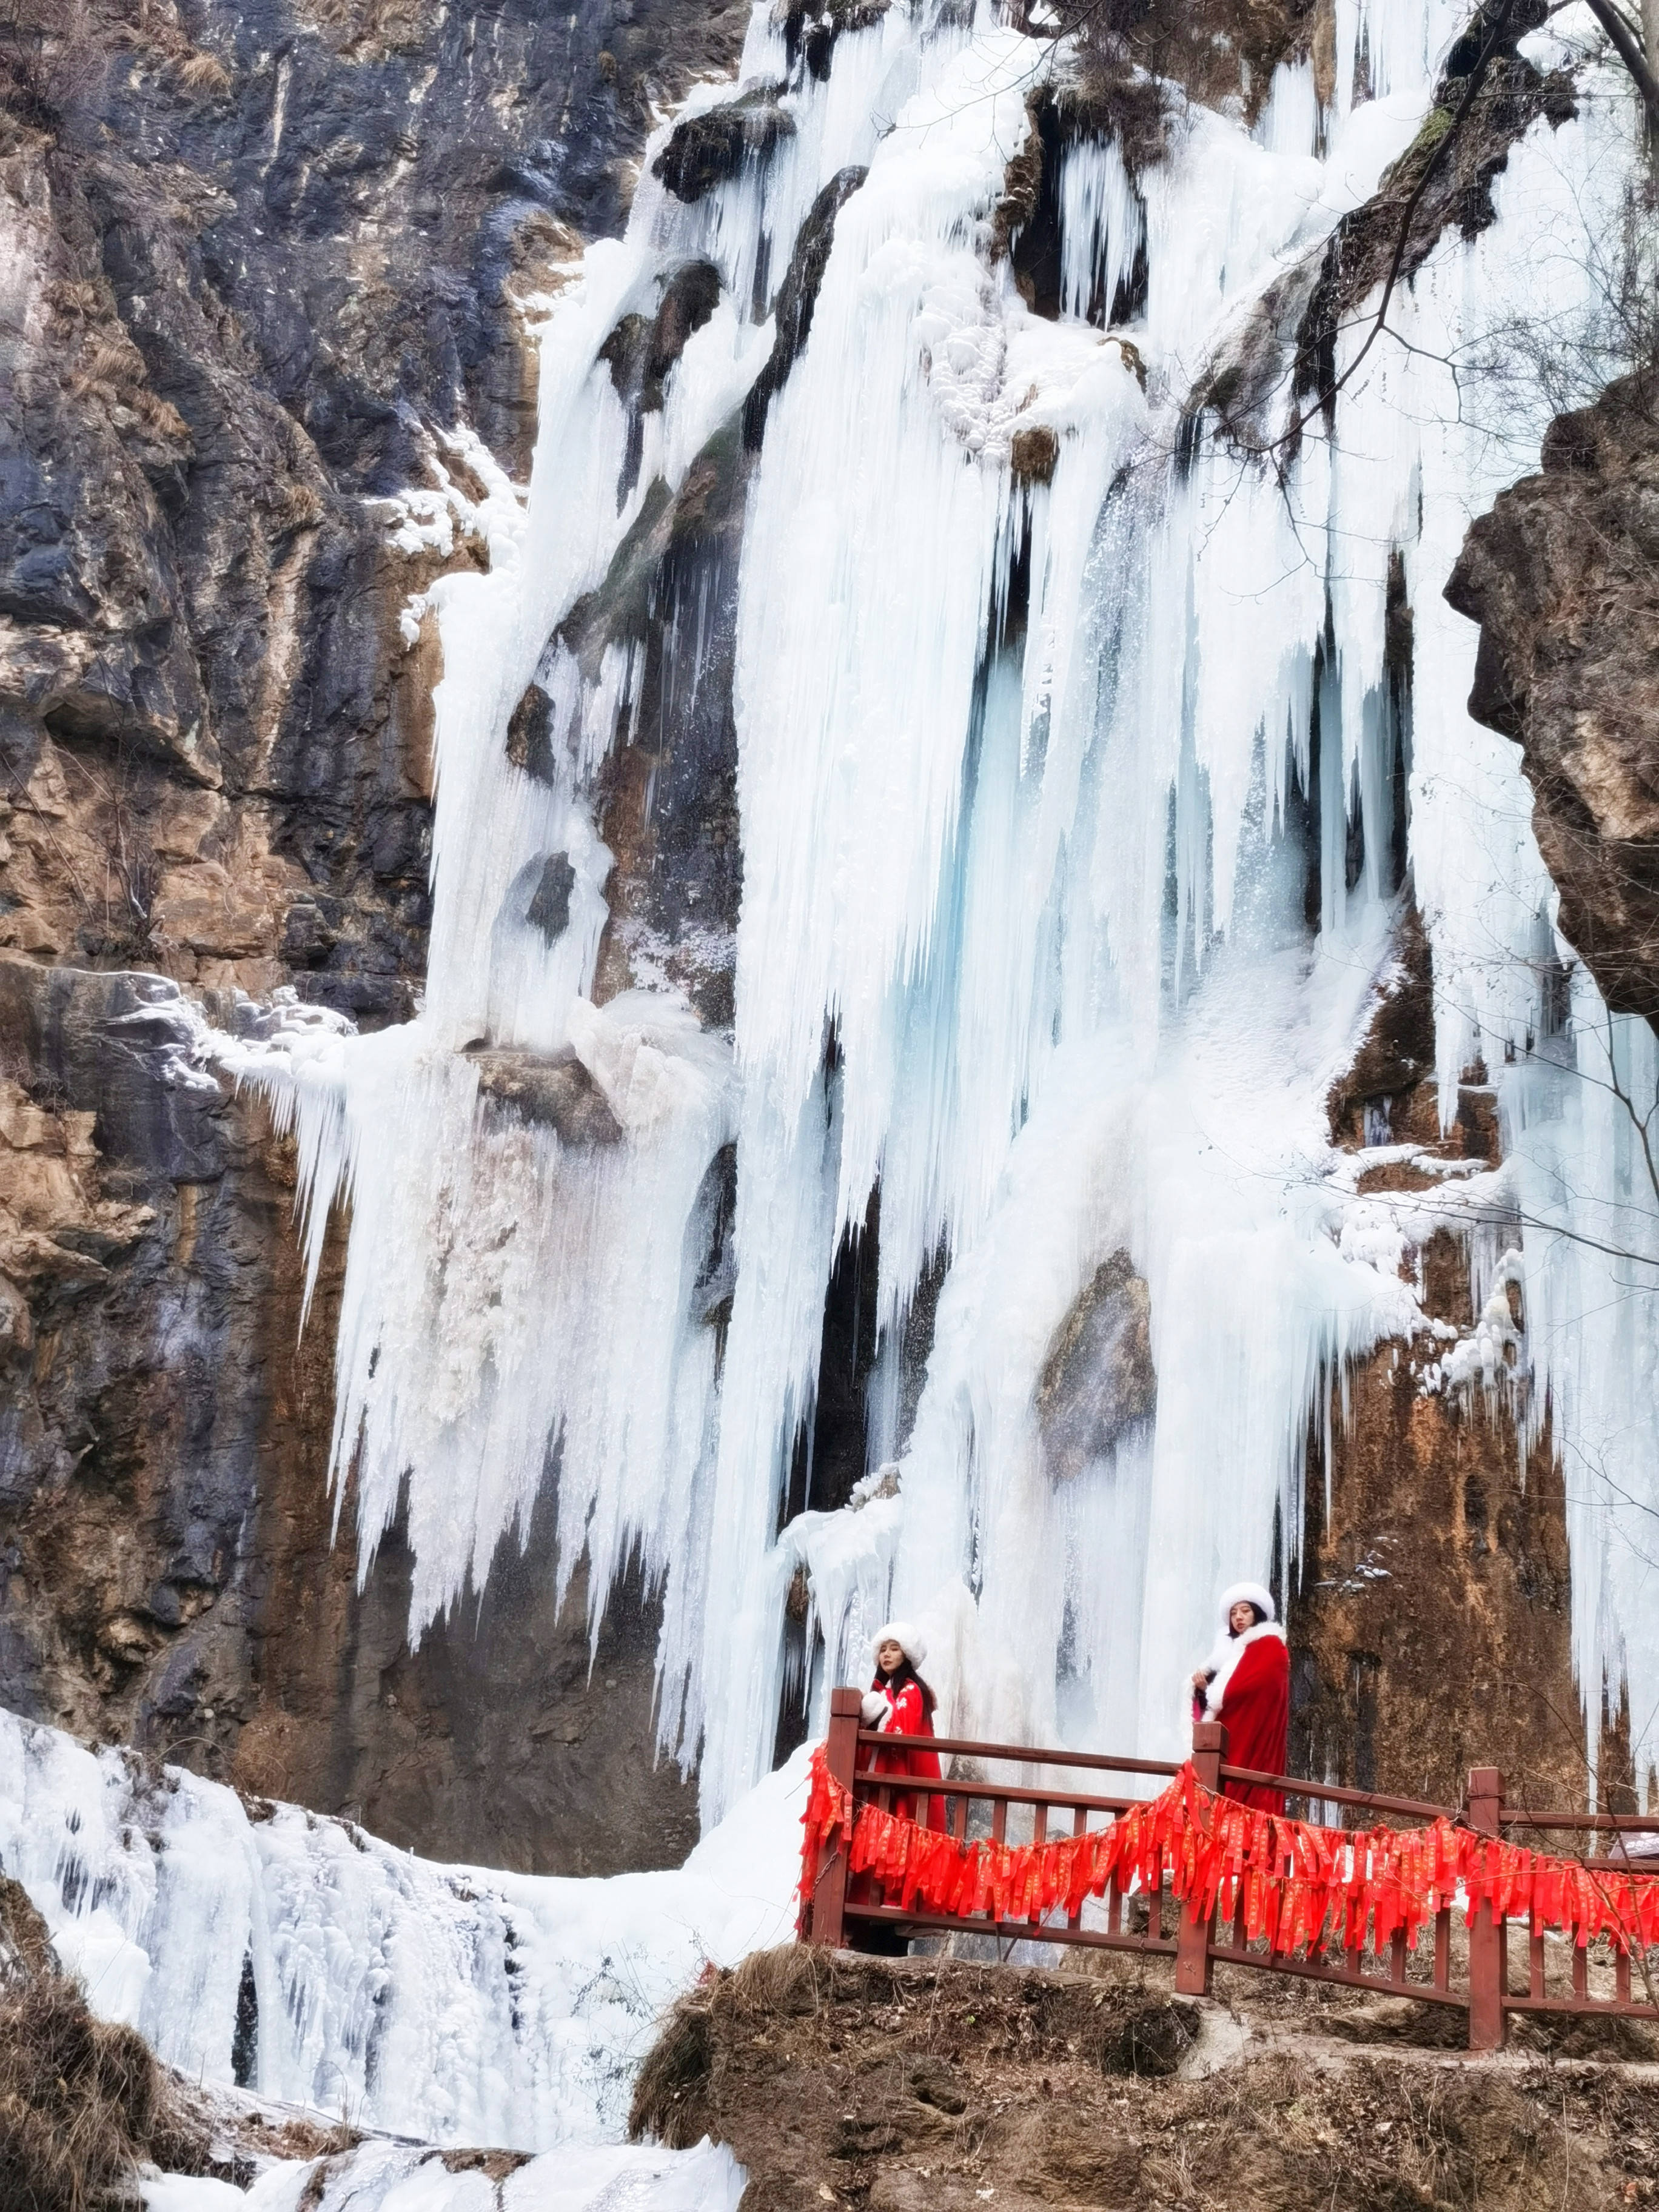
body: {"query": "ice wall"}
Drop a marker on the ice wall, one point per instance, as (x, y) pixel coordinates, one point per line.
(1028, 663)
(262, 1945)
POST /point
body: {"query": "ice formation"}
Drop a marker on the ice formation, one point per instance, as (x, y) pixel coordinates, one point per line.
(1025, 768)
(305, 1960)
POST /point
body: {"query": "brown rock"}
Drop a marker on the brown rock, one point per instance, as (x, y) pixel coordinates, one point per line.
(56, 1228)
(552, 1088)
(1033, 454)
(1430, 1630)
(1098, 1378)
(1563, 577)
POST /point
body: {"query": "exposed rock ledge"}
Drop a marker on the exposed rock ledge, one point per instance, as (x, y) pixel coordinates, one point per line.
(1563, 577)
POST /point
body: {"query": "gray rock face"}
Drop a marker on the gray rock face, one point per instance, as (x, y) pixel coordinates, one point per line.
(502, 1741)
(1563, 577)
(798, 296)
(134, 1439)
(167, 1574)
(1098, 1379)
(669, 808)
(265, 257)
(707, 149)
(549, 903)
(271, 253)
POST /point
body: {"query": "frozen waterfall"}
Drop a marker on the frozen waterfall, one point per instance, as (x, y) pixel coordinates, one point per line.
(1030, 662)
(260, 1944)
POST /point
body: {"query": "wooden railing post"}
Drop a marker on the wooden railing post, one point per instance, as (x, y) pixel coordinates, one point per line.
(1487, 2021)
(830, 1891)
(1193, 1965)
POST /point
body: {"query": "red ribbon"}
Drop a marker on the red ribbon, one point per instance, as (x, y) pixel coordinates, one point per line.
(1298, 1882)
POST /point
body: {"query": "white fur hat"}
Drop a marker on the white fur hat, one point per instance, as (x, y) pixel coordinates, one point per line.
(1250, 1594)
(914, 1647)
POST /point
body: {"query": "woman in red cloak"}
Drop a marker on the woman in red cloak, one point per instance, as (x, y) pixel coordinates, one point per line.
(1245, 1684)
(899, 1703)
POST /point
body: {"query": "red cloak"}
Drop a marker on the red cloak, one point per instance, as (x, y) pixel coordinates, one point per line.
(910, 1717)
(1255, 1711)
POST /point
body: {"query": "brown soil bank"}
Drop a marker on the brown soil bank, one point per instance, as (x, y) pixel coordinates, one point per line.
(919, 2085)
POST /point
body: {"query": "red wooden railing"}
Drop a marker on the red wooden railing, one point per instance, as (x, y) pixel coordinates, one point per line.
(1157, 1924)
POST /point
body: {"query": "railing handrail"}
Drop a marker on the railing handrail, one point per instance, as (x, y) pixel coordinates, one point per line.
(1513, 1816)
(1293, 1785)
(1199, 1942)
(1021, 1754)
(1333, 1794)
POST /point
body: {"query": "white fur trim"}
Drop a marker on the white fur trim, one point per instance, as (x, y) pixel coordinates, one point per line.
(874, 1710)
(914, 1646)
(1226, 1655)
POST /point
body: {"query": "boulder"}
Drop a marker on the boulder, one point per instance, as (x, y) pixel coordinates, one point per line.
(552, 1088)
(1098, 1379)
(714, 145)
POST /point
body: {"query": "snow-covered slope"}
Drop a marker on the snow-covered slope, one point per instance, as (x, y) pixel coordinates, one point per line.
(384, 2177)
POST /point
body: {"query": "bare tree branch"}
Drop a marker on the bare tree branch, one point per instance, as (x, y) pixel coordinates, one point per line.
(1629, 50)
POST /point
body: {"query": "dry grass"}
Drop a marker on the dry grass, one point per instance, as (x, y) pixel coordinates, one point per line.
(205, 73)
(367, 30)
(110, 361)
(25, 1951)
(81, 2104)
(671, 2097)
(927, 2084)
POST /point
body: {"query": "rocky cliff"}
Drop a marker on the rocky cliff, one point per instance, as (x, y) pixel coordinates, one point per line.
(1428, 1614)
(267, 278)
(1563, 577)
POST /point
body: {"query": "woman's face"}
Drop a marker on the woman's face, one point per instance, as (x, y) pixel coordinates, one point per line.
(1241, 1617)
(890, 1657)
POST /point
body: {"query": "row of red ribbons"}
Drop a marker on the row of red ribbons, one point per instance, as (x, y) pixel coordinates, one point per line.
(1301, 1884)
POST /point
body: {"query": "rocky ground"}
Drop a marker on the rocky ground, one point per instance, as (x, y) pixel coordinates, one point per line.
(922, 2085)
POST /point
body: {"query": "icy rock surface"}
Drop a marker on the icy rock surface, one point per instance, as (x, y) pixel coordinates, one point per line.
(298, 1956)
(1057, 922)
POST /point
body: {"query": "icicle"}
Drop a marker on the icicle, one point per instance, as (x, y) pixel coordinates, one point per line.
(1030, 666)
(443, 2003)
(1102, 228)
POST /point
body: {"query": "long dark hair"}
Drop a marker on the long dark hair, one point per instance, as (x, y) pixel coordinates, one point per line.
(904, 1673)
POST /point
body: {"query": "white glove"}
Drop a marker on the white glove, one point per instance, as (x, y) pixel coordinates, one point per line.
(875, 1709)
